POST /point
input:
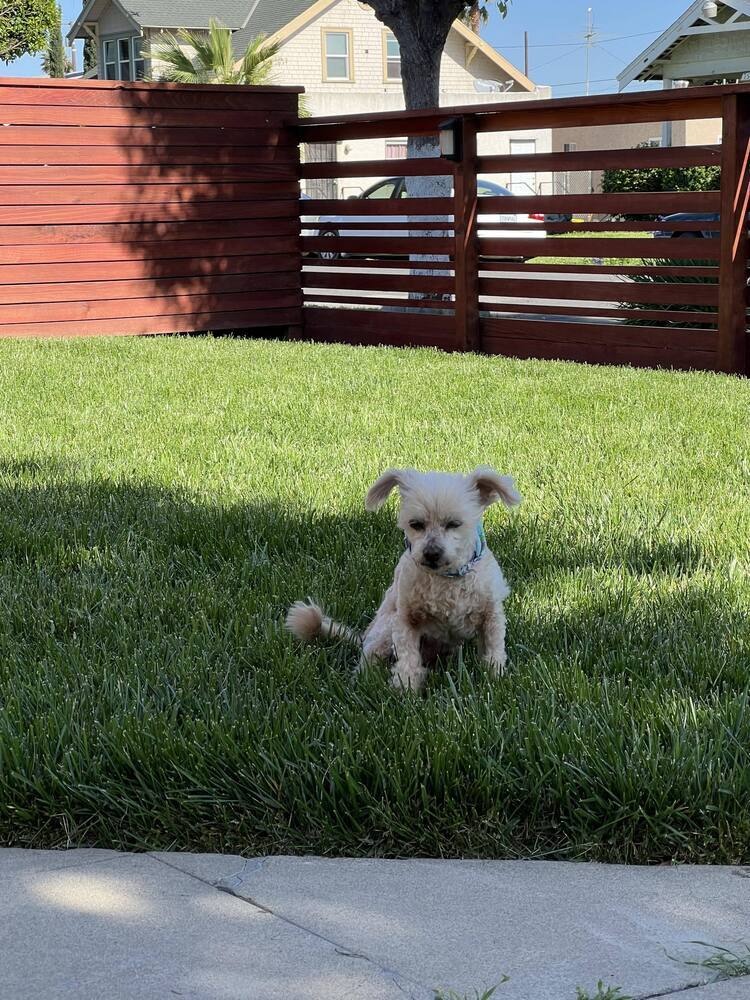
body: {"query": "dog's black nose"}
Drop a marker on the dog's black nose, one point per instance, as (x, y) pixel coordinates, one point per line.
(431, 556)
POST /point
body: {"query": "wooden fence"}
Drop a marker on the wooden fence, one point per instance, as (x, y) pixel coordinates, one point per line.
(685, 308)
(142, 208)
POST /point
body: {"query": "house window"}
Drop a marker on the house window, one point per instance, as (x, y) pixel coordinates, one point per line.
(391, 57)
(395, 150)
(123, 58)
(337, 55)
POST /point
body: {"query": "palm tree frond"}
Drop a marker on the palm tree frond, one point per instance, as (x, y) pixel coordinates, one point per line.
(208, 57)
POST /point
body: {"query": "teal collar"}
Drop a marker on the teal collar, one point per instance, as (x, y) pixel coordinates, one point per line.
(479, 548)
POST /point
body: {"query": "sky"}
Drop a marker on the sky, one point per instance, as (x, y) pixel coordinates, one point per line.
(556, 45)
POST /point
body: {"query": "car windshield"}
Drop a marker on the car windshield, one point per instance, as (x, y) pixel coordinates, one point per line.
(484, 189)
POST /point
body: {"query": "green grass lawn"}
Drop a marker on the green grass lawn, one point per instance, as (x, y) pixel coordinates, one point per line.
(617, 235)
(163, 500)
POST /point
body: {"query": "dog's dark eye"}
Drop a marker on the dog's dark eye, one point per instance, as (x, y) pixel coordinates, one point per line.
(453, 524)
(417, 525)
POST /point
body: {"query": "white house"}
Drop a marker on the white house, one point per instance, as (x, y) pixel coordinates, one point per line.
(346, 60)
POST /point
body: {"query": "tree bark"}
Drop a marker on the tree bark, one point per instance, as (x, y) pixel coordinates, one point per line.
(421, 28)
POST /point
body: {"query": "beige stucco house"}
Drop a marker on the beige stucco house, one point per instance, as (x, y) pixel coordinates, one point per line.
(346, 60)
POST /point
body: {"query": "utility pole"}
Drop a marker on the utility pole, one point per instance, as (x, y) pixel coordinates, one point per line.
(525, 53)
(589, 36)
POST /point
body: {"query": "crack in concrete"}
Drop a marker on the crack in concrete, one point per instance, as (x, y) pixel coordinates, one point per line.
(252, 865)
(672, 992)
(690, 986)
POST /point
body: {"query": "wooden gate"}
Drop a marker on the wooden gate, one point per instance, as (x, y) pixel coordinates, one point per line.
(614, 295)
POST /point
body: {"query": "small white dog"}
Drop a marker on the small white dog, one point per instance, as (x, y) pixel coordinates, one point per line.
(447, 587)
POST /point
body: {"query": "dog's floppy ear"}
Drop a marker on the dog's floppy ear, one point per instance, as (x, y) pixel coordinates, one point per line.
(491, 487)
(383, 486)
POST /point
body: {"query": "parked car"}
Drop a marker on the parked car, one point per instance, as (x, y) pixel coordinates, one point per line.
(395, 187)
(306, 220)
(699, 218)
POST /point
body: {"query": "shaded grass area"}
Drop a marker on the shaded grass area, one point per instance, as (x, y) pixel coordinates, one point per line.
(162, 501)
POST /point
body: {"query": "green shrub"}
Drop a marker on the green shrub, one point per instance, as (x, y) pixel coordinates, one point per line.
(662, 179)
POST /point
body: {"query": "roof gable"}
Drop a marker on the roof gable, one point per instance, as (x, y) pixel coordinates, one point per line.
(732, 15)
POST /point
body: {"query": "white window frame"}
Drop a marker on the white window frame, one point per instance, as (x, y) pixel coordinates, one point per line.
(133, 59)
(388, 36)
(348, 56)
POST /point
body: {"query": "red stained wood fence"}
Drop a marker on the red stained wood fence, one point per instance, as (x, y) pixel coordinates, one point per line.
(678, 302)
(145, 208)
(148, 208)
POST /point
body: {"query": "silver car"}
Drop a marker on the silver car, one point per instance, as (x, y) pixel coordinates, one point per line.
(395, 187)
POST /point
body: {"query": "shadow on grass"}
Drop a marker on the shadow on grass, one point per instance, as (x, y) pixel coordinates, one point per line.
(151, 699)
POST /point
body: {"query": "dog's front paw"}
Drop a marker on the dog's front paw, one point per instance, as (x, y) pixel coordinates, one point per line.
(496, 665)
(406, 678)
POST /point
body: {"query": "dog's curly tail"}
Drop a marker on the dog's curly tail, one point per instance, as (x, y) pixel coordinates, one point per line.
(307, 621)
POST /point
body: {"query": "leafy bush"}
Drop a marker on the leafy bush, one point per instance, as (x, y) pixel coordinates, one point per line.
(672, 309)
(661, 179)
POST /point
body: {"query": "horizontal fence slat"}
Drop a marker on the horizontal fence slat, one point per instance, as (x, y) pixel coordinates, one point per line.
(194, 246)
(143, 194)
(601, 354)
(667, 271)
(602, 312)
(676, 293)
(43, 82)
(143, 156)
(428, 166)
(262, 267)
(156, 305)
(366, 327)
(147, 231)
(650, 203)
(378, 206)
(381, 301)
(136, 212)
(164, 140)
(379, 282)
(603, 159)
(91, 117)
(385, 244)
(148, 98)
(149, 286)
(129, 325)
(179, 174)
(682, 249)
(600, 333)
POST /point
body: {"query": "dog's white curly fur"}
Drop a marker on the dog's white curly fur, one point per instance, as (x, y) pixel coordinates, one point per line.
(426, 612)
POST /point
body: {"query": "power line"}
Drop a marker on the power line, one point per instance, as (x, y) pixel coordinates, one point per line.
(558, 45)
(556, 59)
(611, 55)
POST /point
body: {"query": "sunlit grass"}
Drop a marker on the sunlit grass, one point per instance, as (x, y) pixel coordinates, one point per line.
(162, 501)
(584, 234)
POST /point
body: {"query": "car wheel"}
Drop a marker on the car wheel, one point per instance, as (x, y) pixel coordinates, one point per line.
(682, 236)
(328, 254)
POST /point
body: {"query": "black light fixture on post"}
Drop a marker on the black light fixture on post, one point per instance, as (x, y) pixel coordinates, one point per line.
(450, 139)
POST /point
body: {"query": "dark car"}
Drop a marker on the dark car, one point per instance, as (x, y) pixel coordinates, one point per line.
(701, 220)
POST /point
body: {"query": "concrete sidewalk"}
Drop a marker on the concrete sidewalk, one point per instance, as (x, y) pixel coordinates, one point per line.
(97, 924)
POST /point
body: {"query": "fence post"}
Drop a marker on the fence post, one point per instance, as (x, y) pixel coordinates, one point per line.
(732, 354)
(467, 247)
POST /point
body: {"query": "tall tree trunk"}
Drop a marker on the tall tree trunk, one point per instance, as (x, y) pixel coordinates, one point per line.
(420, 73)
(421, 29)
